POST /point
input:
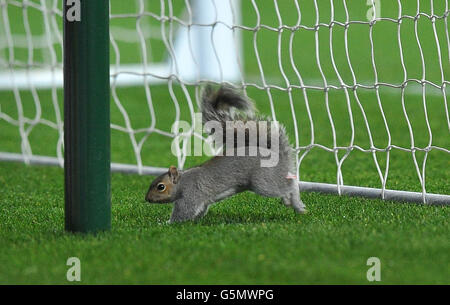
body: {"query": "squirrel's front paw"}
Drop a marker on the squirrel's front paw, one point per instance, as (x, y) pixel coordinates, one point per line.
(182, 211)
(177, 219)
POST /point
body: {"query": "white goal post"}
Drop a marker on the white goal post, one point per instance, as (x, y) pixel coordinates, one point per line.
(204, 41)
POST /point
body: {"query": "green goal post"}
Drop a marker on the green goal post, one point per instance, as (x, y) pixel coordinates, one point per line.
(87, 116)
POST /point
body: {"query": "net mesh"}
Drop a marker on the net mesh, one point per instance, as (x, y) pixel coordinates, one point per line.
(346, 77)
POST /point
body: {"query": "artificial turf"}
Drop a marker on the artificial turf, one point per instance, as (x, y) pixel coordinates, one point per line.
(245, 239)
(249, 239)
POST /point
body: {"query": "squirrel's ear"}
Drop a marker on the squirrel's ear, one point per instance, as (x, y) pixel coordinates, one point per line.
(173, 174)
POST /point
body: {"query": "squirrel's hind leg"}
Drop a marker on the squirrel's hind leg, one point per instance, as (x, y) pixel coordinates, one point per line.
(286, 200)
(298, 205)
(293, 200)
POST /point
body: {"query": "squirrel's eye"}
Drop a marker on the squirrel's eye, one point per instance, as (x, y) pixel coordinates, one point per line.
(161, 187)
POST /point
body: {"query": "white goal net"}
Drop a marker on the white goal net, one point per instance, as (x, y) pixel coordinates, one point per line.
(362, 86)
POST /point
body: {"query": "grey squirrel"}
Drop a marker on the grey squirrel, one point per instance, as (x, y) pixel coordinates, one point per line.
(193, 190)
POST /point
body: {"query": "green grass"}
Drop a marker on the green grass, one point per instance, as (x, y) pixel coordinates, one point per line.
(246, 239)
(249, 239)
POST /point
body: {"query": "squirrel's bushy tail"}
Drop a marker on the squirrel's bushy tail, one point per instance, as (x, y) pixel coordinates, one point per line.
(217, 105)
